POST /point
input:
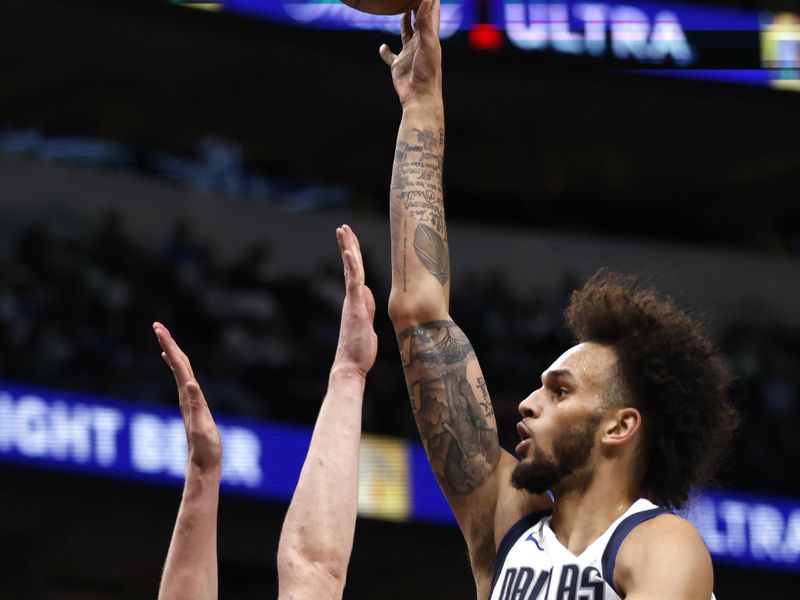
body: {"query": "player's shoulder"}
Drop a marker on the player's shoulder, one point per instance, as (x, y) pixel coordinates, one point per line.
(666, 539)
(666, 528)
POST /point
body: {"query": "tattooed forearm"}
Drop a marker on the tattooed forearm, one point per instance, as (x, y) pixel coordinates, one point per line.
(417, 179)
(416, 201)
(399, 244)
(451, 406)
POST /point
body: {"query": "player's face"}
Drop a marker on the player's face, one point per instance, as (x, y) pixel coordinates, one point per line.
(558, 430)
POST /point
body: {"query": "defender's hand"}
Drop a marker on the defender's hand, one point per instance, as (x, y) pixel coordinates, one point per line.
(358, 343)
(417, 70)
(202, 436)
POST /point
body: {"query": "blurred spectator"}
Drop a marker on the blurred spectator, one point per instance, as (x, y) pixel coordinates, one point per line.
(76, 313)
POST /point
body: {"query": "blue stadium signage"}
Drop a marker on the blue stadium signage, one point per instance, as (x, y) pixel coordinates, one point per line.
(138, 442)
(748, 530)
(672, 39)
(46, 429)
(649, 35)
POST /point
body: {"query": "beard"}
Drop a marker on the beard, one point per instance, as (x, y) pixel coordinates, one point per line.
(565, 468)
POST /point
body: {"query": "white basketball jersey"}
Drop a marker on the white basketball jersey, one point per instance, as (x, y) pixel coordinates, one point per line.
(532, 564)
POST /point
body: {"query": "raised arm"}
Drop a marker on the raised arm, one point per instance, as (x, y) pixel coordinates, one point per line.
(190, 571)
(448, 393)
(317, 535)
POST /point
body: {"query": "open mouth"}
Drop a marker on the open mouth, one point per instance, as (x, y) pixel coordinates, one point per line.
(525, 436)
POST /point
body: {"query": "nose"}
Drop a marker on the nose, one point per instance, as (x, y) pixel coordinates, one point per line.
(529, 408)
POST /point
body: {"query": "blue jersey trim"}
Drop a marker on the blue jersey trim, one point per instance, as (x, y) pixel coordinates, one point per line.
(619, 535)
(511, 537)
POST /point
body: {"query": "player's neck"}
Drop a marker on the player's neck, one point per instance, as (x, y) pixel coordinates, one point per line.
(580, 516)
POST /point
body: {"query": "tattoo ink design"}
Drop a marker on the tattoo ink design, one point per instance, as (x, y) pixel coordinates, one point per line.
(459, 437)
(486, 403)
(399, 243)
(432, 252)
(425, 137)
(417, 179)
(405, 255)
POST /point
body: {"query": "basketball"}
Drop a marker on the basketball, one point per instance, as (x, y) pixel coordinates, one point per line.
(383, 7)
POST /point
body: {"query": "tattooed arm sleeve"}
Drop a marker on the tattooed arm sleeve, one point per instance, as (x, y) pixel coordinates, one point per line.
(420, 256)
(456, 422)
(451, 405)
(448, 394)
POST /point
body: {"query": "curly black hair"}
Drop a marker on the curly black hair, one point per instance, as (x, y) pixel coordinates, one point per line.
(671, 371)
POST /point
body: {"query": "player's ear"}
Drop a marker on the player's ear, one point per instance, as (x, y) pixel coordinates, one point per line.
(621, 426)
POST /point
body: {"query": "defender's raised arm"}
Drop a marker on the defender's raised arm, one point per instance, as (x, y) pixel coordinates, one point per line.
(317, 535)
(190, 571)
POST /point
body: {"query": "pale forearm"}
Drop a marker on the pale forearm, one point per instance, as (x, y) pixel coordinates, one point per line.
(190, 571)
(420, 255)
(317, 535)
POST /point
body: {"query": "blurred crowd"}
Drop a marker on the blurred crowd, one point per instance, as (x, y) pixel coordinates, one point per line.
(75, 314)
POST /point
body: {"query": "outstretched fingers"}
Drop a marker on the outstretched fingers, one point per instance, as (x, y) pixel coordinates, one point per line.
(406, 30)
(173, 356)
(427, 16)
(387, 55)
(353, 271)
(355, 248)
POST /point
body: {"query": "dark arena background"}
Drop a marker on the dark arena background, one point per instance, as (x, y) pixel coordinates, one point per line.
(189, 163)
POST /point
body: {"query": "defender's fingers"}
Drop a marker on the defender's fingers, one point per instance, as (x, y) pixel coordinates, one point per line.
(352, 235)
(341, 239)
(181, 355)
(387, 55)
(355, 285)
(173, 355)
(197, 404)
(355, 247)
(406, 30)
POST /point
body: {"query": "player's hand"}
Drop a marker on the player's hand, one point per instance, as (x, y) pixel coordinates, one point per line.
(358, 343)
(202, 436)
(417, 70)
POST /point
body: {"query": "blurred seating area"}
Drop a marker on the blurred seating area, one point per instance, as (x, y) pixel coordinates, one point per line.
(75, 314)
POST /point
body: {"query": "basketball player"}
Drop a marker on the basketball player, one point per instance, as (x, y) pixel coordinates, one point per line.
(317, 535)
(635, 412)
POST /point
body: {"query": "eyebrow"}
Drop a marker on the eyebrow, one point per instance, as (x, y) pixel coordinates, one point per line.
(559, 374)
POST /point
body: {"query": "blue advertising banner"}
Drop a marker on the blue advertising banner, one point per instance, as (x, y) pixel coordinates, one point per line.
(675, 39)
(47, 429)
(137, 442)
(749, 530)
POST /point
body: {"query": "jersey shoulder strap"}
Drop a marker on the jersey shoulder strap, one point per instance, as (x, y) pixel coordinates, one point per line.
(622, 530)
(512, 535)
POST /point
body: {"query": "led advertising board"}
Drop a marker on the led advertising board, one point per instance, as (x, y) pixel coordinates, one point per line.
(673, 39)
(45, 429)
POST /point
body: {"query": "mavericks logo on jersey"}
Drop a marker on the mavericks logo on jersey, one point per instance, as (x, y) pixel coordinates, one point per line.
(525, 583)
